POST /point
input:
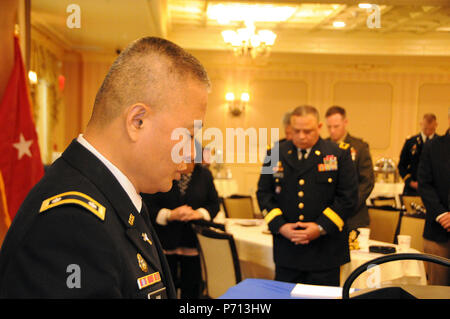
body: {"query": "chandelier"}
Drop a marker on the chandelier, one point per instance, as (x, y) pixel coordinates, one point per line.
(246, 42)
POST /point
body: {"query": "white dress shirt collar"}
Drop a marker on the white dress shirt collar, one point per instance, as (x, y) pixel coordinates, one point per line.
(424, 137)
(121, 178)
(308, 150)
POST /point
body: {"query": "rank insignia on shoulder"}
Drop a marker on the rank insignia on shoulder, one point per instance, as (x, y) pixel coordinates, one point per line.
(75, 198)
(343, 145)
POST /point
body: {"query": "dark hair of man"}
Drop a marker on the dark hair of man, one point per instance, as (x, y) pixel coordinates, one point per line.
(286, 119)
(429, 117)
(137, 73)
(335, 109)
(304, 110)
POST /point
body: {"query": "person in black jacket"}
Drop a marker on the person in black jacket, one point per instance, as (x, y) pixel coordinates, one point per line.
(410, 154)
(434, 189)
(306, 197)
(193, 197)
(83, 231)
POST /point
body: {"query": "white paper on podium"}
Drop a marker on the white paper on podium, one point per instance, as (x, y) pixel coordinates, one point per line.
(317, 292)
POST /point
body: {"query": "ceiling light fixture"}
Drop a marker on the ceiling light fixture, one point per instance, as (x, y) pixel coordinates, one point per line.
(339, 24)
(253, 12)
(246, 41)
(364, 5)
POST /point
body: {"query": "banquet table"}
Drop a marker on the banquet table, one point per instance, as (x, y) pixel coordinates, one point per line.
(254, 247)
(387, 190)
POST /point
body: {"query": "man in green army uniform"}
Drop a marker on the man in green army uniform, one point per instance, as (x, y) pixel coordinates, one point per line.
(306, 196)
(337, 121)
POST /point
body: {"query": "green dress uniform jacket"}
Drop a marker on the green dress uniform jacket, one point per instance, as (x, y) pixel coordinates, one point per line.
(322, 189)
(360, 153)
(434, 185)
(78, 235)
(409, 162)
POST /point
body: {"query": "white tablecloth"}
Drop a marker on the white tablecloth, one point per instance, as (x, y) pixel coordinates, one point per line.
(254, 246)
(387, 190)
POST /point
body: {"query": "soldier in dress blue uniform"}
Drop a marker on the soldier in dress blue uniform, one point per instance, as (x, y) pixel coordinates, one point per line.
(306, 197)
(83, 231)
(410, 154)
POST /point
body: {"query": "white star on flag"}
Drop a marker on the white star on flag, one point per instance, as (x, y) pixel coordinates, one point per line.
(23, 147)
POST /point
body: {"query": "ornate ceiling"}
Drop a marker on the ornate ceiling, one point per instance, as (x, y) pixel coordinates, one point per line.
(405, 27)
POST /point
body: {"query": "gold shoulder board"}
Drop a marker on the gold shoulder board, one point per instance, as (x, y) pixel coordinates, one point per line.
(344, 146)
(76, 198)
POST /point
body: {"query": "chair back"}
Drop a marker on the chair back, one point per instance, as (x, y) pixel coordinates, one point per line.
(239, 206)
(383, 223)
(220, 260)
(412, 204)
(383, 201)
(413, 226)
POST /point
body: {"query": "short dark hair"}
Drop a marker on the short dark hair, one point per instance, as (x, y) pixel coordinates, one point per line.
(336, 109)
(136, 73)
(303, 110)
(287, 119)
(429, 117)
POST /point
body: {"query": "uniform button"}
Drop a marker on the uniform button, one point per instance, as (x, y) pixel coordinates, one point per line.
(301, 194)
(301, 182)
(301, 205)
(330, 180)
(301, 217)
(277, 180)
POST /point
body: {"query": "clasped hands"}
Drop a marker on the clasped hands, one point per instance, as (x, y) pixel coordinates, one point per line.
(300, 233)
(445, 221)
(184, 213)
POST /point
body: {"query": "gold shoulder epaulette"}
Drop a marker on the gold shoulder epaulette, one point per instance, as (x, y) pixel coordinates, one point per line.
(76, 198)
(344, 145)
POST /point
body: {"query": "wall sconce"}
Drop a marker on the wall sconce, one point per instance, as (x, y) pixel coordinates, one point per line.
(237, 106)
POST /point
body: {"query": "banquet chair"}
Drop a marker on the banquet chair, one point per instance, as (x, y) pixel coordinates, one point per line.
(220, 261)
(384, 222)
(413, 226)
(383, 201)
(238, 206)
(412, 204)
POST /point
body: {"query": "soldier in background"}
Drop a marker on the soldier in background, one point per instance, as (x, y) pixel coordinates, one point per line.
(410, 155)
(306, 197)
(434, 188)
(337, 121)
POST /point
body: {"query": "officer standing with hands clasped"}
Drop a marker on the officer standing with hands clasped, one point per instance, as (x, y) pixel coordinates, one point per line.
(306, 200)
(83, 230)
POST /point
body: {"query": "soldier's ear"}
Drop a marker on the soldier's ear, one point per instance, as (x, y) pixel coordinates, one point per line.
(136, 119)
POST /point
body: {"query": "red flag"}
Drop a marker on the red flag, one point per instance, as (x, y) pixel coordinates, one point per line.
(20, 158)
